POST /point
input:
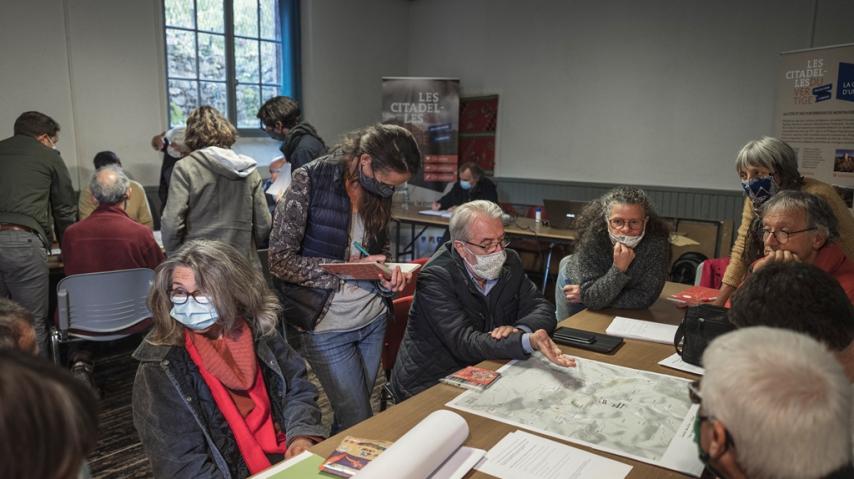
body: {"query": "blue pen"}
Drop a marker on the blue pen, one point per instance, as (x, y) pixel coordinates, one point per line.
(361, 248)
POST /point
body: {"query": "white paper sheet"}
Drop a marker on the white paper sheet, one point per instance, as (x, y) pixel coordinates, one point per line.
(441, 213)
(461, 462)
(158, 238)
(675, 362)
(421, 451)
(521, 455)
(283, 181)
(642, 330)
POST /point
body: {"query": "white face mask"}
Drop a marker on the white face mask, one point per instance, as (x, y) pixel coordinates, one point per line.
(630, 241)
(488, 266)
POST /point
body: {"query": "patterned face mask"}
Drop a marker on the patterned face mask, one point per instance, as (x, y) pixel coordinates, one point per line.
(759, 189)
(488, 266)
(375, 186)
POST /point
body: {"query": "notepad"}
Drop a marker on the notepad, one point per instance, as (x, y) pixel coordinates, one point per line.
(642, 330)
(440, 213)
(675, 362)
(367, 271)
(521, 455)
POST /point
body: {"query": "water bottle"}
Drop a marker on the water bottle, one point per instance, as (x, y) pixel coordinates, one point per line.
(538, 215)
(405, 195)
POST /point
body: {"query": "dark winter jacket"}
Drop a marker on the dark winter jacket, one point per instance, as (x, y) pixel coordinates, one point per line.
(483, 190)
(450, 321)
(302, 145)
(182, 430)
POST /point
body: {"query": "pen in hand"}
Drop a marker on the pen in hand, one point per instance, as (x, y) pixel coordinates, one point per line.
(361, 248)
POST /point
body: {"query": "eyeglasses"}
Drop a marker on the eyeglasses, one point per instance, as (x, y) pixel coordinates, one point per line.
(694, 392)
(490, 245)
(618, 223)
(781, 236)
(179, 296)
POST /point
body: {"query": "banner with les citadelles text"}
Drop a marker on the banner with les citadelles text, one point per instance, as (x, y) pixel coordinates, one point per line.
(430, 109)
(815, 113)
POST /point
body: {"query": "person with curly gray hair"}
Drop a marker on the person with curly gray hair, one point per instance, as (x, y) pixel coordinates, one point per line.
(622, 258)
(218, 392)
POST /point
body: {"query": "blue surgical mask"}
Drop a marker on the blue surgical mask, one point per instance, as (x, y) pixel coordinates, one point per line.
(759, 189)
(195, 314)
(466, 185)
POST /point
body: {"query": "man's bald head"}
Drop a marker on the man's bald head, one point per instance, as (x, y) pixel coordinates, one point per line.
(109, 185)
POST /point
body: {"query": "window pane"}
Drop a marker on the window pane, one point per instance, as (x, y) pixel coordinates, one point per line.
(179, 13)
(213, 94)
(211, 16)
(211, 57)
(246, 18)
(183, 98)
(181, 53)
(248, 103)
(246, 59)
(268, 92)
(270, 59)
(269, 25)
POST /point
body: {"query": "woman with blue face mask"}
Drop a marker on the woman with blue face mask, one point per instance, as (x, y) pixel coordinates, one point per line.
(337, 209)
(766, 166)
(218, 392)
(622, 257)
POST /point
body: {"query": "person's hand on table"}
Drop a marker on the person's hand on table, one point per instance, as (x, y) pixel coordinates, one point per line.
(502, 332)
(397, 282)
(572, 293)
(623, 256)
(541, 342)
(436, 206)
(297, 445)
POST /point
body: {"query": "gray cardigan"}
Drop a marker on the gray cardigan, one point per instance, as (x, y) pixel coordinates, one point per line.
(604, 286)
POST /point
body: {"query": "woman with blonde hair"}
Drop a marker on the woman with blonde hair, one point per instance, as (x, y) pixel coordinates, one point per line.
(218, 392)
(215, 193)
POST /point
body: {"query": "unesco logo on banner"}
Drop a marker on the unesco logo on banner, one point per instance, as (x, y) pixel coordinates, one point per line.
(823, 92)
(845, 89)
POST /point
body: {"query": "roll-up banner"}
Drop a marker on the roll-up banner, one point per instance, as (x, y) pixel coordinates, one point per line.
(815, 113)
(430, 109)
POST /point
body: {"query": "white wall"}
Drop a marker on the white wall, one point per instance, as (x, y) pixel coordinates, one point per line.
(348, 46)
(656, 92)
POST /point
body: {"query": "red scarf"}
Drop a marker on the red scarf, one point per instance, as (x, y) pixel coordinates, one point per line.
(255, 433)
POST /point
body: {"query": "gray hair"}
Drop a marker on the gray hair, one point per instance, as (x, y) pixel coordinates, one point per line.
(109, 185)
(773, 154)
(16, 322)
(818, 212)
(791, 415)
(625, 195)
(236, 288)
(465, 215)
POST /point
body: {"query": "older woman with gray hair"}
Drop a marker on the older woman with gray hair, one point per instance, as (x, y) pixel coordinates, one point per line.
(218, 392)
(622, 258)
(767, 166)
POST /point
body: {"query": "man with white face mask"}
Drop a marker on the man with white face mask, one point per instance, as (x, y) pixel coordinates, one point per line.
(622, 258)
(473, 302)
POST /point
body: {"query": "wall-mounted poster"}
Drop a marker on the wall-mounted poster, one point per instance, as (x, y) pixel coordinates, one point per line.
(430, 109)
(815, 113)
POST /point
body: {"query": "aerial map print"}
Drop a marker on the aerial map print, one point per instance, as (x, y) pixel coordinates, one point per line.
(637, 414)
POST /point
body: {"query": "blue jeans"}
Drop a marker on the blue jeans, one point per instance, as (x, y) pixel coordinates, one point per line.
(346, 363)
(564, 309)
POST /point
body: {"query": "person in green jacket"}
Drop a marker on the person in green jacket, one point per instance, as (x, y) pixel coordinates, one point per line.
(34, 187)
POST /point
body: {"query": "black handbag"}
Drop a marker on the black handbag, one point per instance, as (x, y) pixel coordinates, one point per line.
(301, 305)
(699, 327)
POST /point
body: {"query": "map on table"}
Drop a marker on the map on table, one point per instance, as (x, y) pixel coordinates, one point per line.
(637, 414)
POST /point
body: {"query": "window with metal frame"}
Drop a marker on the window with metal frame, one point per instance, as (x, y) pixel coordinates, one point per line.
(229, 54)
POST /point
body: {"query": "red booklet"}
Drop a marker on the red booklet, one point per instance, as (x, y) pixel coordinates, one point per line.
(694, 295)
(472, 377)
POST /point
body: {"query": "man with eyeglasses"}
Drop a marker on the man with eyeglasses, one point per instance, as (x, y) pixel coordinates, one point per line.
(473, 302)
(773, 404)
(798, 226)
(34, 187)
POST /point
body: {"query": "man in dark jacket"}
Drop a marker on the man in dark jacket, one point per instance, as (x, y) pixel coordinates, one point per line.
(473, 185)
(473, 302)
(282, 120)
(34, 186)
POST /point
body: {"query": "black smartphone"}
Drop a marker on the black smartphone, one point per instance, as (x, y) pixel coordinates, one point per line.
(577, 338)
